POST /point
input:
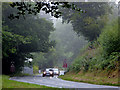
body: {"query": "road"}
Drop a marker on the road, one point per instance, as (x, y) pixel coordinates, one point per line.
(59, 83)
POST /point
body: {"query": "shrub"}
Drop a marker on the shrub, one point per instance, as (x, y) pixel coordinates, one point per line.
(109, 39)
(105, 53)
(35, 69)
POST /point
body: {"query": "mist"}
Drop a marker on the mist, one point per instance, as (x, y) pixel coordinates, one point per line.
(68, 43)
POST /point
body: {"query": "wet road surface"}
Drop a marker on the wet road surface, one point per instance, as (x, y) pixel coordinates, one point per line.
(59, 83)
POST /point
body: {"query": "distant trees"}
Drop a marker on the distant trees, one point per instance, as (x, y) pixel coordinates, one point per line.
(44, 60)
(22, 37)
(68, 46)
(90, 23)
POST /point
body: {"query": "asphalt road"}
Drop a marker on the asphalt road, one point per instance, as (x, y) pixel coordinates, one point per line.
(59, 83)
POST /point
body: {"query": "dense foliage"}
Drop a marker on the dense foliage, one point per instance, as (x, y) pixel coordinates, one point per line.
(68, 46)
(88, 24)
(20, 37)
(34, 7)
(106, 52)
(29, 37)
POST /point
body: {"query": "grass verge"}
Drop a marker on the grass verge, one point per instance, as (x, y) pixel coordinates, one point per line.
(0, 82)
(6, 83)
(90, 78)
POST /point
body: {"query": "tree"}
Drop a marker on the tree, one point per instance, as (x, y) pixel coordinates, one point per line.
(68, 44)
(22, 37)
(11, 52)
(88, 24)
(109, 39)
(35, 8)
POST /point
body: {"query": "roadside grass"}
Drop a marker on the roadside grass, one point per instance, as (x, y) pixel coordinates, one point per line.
(0, 82)
(6, 83)
(89, 77)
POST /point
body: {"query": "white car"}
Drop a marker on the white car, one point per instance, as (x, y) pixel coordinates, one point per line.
(56, 71)
(48, 72)
(62, 72)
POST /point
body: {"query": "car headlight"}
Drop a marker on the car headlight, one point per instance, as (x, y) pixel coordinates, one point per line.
(51, 72)
(44, 72)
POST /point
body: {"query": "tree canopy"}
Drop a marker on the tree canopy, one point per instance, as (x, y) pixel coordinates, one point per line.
(24, 8)
(88, 24)
(31, 33)
(22, 37)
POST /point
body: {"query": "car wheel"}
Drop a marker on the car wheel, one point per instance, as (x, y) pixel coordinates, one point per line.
(52, 75)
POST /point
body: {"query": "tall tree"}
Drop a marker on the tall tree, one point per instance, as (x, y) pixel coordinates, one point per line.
(88, 24)
(20, 37)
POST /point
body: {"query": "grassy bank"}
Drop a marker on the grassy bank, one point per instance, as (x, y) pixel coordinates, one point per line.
(93, 78)
(6, 83)
(99, 60)
(0, 82)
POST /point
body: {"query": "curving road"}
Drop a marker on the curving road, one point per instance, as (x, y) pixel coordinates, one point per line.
(59, 83)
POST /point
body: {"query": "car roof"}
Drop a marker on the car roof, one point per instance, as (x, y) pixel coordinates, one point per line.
(55, 68)
(49, 69)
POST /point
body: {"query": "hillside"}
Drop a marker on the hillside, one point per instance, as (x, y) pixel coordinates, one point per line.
(98, 63)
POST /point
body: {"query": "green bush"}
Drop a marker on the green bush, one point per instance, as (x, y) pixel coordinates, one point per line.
(109, 39)
(113, 59)
(35, 69)
(81, 63)
(106, 52)
(110, 42)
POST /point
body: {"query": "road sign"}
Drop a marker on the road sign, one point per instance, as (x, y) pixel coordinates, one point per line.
(12, 68)
(65, 64)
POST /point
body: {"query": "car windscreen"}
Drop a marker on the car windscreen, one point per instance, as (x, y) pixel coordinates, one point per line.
(47, 69)
(50, 70)
(55, 69)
